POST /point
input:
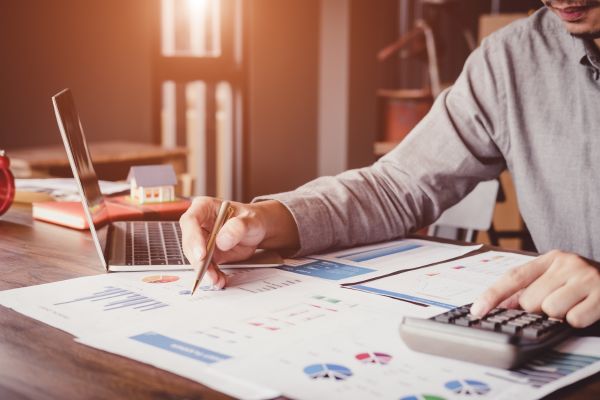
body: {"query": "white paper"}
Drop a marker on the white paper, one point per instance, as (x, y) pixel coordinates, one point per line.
(274, 332)
(101, 303)
(240, 338)
(367, 262)
(446, 285)
(65, 188)
(371, 362)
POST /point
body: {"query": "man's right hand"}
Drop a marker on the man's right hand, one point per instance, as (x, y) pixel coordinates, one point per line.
(265, 224)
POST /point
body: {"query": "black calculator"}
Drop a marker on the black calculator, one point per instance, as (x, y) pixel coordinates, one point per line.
(504, 338)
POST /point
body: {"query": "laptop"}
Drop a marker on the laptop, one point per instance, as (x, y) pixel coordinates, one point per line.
(121, 245)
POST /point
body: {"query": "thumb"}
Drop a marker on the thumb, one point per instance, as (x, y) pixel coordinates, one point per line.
(232, 233)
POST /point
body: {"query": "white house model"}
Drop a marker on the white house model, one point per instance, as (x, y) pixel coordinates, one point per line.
(152, 183)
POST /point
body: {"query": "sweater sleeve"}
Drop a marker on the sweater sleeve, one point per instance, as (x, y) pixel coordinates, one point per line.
(456, 146)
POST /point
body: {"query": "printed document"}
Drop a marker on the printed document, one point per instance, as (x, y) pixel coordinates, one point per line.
(367, 262)
(103, 302)
(293, 331)
(448, 285)
(371, 362)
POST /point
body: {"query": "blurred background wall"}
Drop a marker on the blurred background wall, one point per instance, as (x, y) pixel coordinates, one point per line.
(308, 79)
(99, 48)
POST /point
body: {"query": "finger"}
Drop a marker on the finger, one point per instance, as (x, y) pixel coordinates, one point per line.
(204, 209)
(559, 302)
(512, 301)
(533, 296)
(200, 214)
(238, 230)
(586, 312)
(215, 277)
(193, 239)
(510, 283)
(238, 253)
(222, 281)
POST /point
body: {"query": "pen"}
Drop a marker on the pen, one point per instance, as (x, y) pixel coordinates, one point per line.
(224, 213)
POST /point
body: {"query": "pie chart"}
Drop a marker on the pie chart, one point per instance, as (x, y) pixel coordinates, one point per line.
(332, 372)
(422, 397)
(160, 278)
(468, 387)
(374, 358)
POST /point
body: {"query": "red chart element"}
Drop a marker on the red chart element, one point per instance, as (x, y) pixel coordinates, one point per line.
(374, 358)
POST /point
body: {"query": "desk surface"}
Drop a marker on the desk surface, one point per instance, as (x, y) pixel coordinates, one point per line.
(37, 361)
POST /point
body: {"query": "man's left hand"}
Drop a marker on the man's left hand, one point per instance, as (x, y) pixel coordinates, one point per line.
(562, 285)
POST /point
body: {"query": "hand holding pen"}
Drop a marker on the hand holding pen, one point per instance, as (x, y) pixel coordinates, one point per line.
(267, 224)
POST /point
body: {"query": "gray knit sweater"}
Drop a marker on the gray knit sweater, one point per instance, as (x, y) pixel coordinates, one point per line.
(528, 100)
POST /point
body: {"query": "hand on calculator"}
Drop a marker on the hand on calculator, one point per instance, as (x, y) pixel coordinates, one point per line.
(502, 338)
(561, 285)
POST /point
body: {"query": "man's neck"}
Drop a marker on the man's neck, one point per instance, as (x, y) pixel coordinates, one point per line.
(597, 41)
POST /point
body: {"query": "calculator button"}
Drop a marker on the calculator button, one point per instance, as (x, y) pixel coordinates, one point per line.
(498, 319)
(513, 313)
(521, 322)
(510, 328)
(533, 332)
(530, 318)
(490, 325)
(447, 318)
(466, 321)
(550, 325)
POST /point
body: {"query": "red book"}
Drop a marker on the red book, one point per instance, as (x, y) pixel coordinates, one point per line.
(119, 208)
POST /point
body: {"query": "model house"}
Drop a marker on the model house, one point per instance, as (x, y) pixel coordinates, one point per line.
(152, 183)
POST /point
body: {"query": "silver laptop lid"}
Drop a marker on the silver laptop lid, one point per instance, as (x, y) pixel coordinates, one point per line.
(83, 169)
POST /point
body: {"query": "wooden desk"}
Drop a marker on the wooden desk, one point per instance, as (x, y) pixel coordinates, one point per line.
(37, 361)
(40, 362)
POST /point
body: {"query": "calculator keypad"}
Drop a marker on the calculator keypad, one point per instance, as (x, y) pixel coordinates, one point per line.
(509, 321)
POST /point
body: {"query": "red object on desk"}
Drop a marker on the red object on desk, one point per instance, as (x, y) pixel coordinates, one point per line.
(120, 208)
(7, 183)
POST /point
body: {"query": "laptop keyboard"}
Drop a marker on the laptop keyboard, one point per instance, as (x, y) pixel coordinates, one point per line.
(154, 243)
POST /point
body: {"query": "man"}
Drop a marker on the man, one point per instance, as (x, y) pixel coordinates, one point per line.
(528, 100)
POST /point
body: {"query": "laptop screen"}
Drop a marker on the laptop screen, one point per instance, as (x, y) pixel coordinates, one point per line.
(81, 164)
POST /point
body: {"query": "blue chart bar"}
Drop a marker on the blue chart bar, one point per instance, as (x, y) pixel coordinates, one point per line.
(402, 296)
(114, 298)
(178, 347)
(377, 253)
(328, 270)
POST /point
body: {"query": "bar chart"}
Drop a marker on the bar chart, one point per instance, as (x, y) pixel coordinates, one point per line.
(115, 298)
(546, 369)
